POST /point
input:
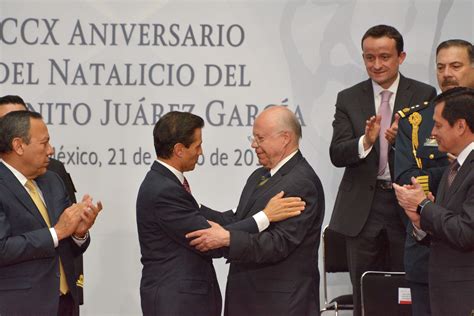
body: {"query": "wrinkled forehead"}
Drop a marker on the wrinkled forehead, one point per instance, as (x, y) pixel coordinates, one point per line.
(452, 54)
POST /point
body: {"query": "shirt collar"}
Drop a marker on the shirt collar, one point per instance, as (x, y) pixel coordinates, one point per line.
(393, 88)
(175, 171)
(464, 153)
(282, 162)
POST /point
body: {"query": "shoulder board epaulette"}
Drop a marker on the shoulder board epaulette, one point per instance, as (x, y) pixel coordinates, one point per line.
(405, 112)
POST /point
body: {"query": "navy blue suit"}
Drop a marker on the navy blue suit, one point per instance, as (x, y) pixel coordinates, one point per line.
(176, 278)
(29, 263)
(276, 272)
(433, 164)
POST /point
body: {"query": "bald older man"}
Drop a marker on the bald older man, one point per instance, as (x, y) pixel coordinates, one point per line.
(274, 272)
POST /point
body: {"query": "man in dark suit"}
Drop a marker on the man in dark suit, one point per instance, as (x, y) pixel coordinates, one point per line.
(274, 272)
(40, 232)
(448, 223)
(176, 278)
(366, 210)
(417, 155)
(11, 103)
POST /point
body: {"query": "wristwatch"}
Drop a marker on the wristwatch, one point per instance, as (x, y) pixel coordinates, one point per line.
(422, 204)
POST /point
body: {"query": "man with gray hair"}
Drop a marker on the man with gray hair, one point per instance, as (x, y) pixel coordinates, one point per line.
(274, 272)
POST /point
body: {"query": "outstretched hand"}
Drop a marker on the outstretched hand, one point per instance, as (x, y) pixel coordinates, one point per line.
(210, 238)
(280, 208)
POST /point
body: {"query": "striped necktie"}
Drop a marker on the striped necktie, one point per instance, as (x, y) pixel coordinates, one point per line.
(453, 171)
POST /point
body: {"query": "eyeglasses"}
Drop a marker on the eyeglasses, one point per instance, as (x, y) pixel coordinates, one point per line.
(260, 139)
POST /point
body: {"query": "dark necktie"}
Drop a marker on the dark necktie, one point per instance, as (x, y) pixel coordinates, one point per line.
(453, 171)
(264, 179)
(186, 186)
(386, 112)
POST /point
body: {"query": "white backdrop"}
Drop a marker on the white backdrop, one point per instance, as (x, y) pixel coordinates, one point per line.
(102, 72)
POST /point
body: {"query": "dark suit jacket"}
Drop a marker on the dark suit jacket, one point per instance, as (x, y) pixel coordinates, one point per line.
(29, 263)
(433, 165)
(450, 223)
(353, 107)
(276, 272)
(176, 278)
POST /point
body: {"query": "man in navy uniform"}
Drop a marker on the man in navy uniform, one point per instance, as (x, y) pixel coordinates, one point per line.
(417, 156)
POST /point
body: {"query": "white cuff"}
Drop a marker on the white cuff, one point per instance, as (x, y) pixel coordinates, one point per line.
(262, 221)
(54, 236)
(418, 233)
(80, 241)
(363, 153)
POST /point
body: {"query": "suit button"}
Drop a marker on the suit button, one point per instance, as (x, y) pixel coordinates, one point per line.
(431, 156)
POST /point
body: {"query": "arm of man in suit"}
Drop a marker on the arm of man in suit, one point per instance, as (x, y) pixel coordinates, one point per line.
(277, 242)
(277, 209)
(344, 148)
(274, 243)
(34, 244)
(177, 216)
(453, 226)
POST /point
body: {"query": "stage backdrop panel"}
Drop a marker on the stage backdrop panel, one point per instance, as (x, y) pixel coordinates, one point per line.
(103, 72)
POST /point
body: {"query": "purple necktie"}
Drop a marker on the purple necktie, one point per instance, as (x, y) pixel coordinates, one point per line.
(386, 112)
(186, 186)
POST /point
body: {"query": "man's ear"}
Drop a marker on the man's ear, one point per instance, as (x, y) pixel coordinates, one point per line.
(178, 150)
(461, 126)
(17, 146)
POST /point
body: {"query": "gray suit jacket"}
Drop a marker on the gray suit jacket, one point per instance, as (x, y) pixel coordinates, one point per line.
(450, 223)
(29, 263)
(356, 191)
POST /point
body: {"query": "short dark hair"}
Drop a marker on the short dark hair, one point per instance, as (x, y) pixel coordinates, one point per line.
(382, 30)
(15, 124)
(458, 104)
(458, 43)
(173, 128)
(12, 99)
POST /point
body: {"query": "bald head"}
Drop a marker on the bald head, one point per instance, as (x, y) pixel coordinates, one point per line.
(282, 119)
(276, 135)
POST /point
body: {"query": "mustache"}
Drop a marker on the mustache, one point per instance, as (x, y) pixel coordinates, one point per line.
(449, 82)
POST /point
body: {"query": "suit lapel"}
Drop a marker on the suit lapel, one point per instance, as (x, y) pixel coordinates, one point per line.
(48, 199)
(158, 167)
(247, 197)
(404, 96)
(11, 183)
(465, 169)
(252, 193)
(366, 100)
(368, 105)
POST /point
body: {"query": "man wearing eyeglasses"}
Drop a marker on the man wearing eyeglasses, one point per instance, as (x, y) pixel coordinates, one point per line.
(274, 272)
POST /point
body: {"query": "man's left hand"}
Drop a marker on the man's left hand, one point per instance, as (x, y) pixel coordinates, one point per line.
(88, 216)
(211, 238)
